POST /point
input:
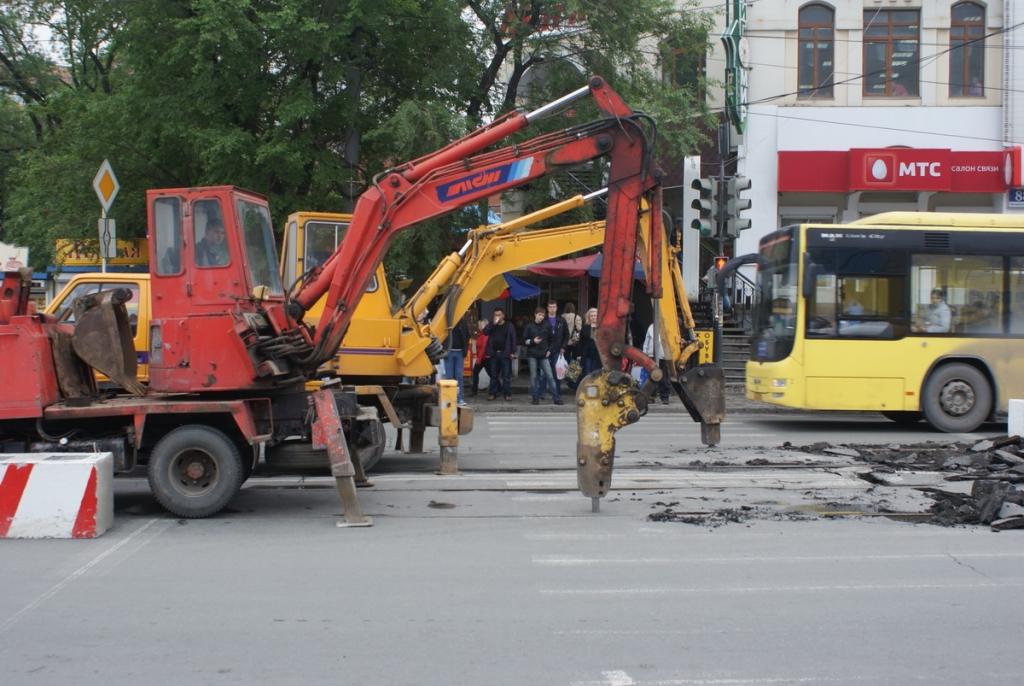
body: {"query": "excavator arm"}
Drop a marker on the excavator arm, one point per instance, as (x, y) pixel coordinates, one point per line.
(460, 174)
(609, 399)
(489, 251)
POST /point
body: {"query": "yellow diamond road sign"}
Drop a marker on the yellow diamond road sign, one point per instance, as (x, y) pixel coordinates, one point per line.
(106, 186)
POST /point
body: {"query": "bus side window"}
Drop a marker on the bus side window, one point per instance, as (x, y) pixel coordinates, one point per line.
(1017, 295)
(959, 294)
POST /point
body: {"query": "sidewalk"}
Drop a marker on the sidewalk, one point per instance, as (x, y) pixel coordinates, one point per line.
(735, 402)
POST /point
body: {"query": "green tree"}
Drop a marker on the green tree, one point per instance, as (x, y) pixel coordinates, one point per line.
(302, 100)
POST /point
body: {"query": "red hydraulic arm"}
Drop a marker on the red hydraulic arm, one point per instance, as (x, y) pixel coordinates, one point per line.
(460, 174)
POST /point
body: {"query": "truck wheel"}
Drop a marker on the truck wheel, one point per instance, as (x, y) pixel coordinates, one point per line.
(956, 398)
(194, 471)
(903, 418)
(369, 442)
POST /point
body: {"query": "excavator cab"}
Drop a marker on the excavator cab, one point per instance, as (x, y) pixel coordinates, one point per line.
(217, 296)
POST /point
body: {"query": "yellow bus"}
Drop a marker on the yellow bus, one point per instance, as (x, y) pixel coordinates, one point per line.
(911, 314)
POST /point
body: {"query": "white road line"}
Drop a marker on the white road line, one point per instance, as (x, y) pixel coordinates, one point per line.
(63, 583)
(756, 681)
(617, 677)
(689, 590)
(564, 561)
(1001, 677)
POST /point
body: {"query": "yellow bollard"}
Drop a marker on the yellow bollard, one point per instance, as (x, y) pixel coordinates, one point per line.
(448, 426)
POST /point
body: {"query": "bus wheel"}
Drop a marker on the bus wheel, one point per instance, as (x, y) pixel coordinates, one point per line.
(957, 398)
(194, 471)
(904, 418)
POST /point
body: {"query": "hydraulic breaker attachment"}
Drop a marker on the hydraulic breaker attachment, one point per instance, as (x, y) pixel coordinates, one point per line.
(606, 401)
(103, 337)
(328, 433)
(702, 390)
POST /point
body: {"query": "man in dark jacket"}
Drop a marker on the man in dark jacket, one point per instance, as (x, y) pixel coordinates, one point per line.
(501, 348)
(538, 342)
(455, 358)
(559, 339)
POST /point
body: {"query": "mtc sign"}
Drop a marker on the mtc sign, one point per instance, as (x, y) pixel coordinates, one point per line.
(899, 169)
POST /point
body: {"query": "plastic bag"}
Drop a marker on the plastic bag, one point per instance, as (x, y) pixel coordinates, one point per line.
(637, 372)
(561, 366)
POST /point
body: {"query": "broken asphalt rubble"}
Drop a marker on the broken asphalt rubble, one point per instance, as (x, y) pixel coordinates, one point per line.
(995, 466)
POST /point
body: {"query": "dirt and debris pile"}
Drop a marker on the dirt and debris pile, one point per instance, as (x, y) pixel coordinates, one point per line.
(996, 503)
(994, 465)
(670, 512)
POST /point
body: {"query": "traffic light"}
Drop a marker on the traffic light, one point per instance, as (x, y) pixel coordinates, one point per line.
(720, 261)
(734, 204)
(706, 205)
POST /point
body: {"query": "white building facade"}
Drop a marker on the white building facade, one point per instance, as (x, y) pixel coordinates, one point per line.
(860, 107)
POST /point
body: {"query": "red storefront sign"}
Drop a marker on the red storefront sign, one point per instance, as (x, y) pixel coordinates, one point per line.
(899, 169)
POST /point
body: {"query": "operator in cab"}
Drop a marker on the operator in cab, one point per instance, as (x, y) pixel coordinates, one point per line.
(212, 248)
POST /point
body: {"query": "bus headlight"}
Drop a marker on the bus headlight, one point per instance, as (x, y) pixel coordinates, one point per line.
(778, 383)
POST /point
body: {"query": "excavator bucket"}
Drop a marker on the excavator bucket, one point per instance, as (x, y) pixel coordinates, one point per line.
(103, 337)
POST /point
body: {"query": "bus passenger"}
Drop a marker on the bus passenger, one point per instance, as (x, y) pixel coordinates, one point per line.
(937, 315)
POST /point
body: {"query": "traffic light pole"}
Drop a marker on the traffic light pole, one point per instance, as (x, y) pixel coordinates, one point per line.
(720, 227)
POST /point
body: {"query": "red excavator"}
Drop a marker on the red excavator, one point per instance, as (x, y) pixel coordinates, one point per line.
(229, 351)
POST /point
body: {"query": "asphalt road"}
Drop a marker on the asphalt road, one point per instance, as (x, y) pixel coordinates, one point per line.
(503, 576)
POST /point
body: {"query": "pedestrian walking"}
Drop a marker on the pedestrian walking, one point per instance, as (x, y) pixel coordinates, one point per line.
(455, 358)
(501, 348)
(654, 349)
(537, 337)
(480, 350)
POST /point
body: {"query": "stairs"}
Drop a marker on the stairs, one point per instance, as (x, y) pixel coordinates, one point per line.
(735, 350)
(735, 353)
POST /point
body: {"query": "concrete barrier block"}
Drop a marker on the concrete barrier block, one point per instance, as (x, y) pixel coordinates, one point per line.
(56, 495)
(1015, 420)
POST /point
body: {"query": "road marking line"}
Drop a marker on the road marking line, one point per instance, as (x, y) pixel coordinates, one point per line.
(754, 681)
(686, 590)
(617, 677)
(562, 561)
(63, 583)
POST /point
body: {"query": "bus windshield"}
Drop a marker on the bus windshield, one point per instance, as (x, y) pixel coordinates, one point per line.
(775, 324)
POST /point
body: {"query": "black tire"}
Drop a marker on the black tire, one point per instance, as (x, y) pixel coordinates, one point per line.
(904, 418)
(957, 398)
(369, 442)
(195, 471)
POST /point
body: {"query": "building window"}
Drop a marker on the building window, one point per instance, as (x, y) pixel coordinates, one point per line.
(891, 53)
(817, 69)
(967, 51)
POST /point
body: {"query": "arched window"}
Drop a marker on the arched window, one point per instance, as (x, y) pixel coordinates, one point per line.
(967, 50)
(816, 70)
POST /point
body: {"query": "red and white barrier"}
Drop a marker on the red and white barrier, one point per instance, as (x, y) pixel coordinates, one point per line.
(56, 495)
